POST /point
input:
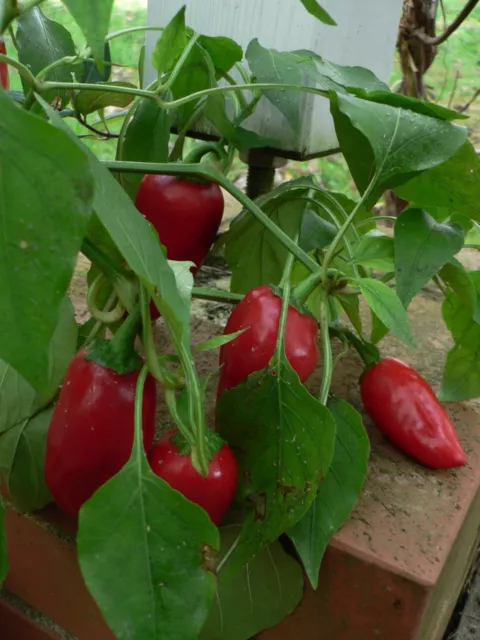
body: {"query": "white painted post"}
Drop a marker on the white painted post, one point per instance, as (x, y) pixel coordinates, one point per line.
(365, 36)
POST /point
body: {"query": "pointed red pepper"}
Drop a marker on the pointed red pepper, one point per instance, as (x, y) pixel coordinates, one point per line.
(406, 410)
(4, 79)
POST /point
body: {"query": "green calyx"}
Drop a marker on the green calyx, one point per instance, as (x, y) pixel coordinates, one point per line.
(118, 354)
(213, 444)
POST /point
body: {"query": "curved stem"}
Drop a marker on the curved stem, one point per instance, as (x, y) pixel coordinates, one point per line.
(138, 419)
(216, 295)
(177, 151)
(87, 86)
(123, 32)
(327, 349)
(98, 324)
(171, 402)
(57, 63)
(106, 317)
(179, 65)
(374, 219)
(197, 170)
(21, 68)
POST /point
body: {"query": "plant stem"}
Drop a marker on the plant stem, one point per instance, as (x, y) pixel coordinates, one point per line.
(138, 420)
(324, 322)
(197, 170)
(21, 68)
(375, 218)
(280, 348)
(162, 88)
(123, 32)
(216, 295)
(87, 86)
(57, 63)
(171, 402)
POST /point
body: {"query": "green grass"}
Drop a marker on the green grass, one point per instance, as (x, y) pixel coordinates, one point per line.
(457, 63)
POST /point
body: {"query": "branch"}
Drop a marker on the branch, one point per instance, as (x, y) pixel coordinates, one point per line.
(467, 105)
(104, 134)
(462, 16)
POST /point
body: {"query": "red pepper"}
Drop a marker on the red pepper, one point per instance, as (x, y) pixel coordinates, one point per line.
(186, 215)
(405, 409)
(259, 314)
(214, 493)
(4, 79)
(91, 434)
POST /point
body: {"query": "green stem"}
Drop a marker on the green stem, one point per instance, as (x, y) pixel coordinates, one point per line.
(21, 68)
(197, 170)
(105, 317)
(280, 347)
(375, 219)
(324, 322)
(88, 86)
(216, 295)
(103, 261)
(57, 63)
(98, 324)
(177, 150)
(123, 32)
(162, 88)
(171, 402)
(304, 289)
(138, 440)
(124, 338)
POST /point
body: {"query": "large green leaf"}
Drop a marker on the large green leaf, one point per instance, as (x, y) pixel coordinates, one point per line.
(22, 461)
(259, 596)
(337, 493)
(385, 304)
(392, 143)
(42, 41)
(458, 279)
(284, 440)
(171, 44)
(318, 12)
(90, 101)
(461, 377)
(18, 399)
(422, 247)
(90, 72)
(46, 194)
(146, 139)
(93, 18)
(134, 237)
(287, 67)
(455, 184)
(413, 104)
(145, 555)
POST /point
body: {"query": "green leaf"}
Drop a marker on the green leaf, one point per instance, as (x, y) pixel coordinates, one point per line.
(18, 399)
(422, 247)
(259, 596)
(218, 341)
(352, 78)
(171, 44)
(351, 306)
(337, 493)
(242, 139)
(146, 139)
(144, 552)
(46, 194)
(284, 439)
(458, 279)
(91, 72)
(413, 104)
(22, 461)
(454, 184)
(375, 250)
(461, 377)
(141, 67)
(315, 232)
(93, 18)
(89, 101)
(224, 52)
(255, 256)
(4, 563)
(379, 330)
(134, 237)
(385, 303)
(42, 41)
(391, 143)
(318, 12)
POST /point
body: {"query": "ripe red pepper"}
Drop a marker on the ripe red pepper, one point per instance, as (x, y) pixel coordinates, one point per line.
(91, 434)
(405, 409)
(214, 493)
(4, 79)
(252, 350)
(186, 215)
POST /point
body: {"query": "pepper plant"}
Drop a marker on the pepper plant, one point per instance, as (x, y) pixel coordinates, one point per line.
(156, 564)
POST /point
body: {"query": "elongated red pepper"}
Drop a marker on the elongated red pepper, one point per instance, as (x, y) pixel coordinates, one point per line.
(259, 314)
(91, 434)
(4, 79)
(405, 409)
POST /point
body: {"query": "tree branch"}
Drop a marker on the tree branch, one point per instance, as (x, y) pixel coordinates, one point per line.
(462, 16)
